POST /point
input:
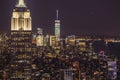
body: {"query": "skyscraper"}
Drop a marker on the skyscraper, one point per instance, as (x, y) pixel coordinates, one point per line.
(67, 74)
(21, 42)
(39, 38)
(57, 27)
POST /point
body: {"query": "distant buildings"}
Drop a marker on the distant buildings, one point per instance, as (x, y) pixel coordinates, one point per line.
(4, 54)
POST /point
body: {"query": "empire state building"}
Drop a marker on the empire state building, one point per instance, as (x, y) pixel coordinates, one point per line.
(21, 42)
(21, 19)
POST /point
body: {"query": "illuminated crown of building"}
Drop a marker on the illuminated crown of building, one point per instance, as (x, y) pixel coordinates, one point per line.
(21, 19)
(21, 3)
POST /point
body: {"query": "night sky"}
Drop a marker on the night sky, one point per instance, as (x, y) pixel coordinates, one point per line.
(77, 16)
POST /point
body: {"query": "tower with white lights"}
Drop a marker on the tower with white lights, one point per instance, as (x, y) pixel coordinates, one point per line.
(57, 27)
(21, 42)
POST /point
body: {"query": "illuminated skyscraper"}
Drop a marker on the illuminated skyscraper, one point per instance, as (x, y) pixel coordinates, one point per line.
(67, 74)
(39, 38)
(21, 42)
(57, 26)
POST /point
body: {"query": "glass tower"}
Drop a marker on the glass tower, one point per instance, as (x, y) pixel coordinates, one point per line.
(57, 27)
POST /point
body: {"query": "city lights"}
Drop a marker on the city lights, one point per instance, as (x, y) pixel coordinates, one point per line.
(32, 55)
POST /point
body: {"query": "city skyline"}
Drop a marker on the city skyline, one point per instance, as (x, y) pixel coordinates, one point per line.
(27, 53)
(80, 17)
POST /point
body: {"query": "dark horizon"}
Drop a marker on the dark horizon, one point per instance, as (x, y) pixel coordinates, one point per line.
(86, 17)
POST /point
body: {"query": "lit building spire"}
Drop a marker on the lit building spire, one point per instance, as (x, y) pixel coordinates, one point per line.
(21, 3)
(57, 14)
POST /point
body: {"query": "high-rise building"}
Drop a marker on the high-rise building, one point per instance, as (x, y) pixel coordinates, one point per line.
(21, 42)
(4, 54)
(39, 38)
(103, 73)
(70, 40)
(39, 31)
(112, 70)
(67, 74)
(57, 27)
(52, 40)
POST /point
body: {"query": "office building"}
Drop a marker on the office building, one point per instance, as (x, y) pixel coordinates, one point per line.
(67, 74)
(39, 38)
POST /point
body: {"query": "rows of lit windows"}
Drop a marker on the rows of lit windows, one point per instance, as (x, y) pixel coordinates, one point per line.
(15, 43)
(23, 56)
(21, 75)
(23, 61)
(23, 50)
(20, 33)
(21, 38)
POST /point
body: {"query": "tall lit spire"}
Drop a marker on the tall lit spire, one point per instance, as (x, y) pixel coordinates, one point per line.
(57, 14)
(57, 27)
(21, 3)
